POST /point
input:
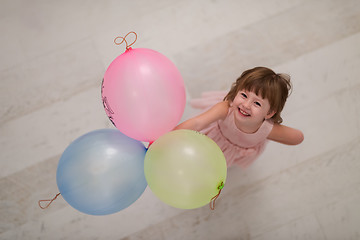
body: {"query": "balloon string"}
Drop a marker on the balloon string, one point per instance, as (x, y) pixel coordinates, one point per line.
(47, 200)
(124, 40)
(212, 202)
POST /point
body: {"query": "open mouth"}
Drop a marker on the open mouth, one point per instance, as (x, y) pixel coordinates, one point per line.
(243, 113)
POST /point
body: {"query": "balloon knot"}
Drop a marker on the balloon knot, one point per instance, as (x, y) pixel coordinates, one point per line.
(47, 200)
(123, 39)
(212, 202)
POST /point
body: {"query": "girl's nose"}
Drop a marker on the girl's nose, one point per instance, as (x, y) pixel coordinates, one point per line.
(246, 104)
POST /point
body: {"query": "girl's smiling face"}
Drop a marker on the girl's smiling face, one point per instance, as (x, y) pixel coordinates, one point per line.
(250, 110)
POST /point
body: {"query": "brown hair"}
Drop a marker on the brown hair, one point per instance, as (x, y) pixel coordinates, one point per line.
(265, 83)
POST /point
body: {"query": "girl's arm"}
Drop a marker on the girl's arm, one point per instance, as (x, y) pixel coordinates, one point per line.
(218, 111)
(286, 135)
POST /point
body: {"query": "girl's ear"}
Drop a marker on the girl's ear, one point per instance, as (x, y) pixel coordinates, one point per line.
(270, 115)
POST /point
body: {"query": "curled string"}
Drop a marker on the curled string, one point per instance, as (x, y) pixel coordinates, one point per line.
(47, 200)
(212, 202)
(124, 40)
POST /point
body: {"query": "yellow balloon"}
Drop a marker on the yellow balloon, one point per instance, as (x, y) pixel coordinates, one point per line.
(185, 169)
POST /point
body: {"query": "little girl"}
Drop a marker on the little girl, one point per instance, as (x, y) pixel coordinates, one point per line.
(248, 116)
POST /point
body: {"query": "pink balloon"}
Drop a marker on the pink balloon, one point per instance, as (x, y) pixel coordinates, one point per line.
(143, 94)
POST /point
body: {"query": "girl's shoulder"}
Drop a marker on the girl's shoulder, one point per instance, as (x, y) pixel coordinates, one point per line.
(221, 109)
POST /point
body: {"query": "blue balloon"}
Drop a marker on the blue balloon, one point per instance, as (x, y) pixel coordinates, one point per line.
(102, 172)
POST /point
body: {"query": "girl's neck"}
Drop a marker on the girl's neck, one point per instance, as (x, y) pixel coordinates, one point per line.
(248, 128)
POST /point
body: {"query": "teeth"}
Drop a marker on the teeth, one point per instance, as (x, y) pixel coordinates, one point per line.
(246, 114)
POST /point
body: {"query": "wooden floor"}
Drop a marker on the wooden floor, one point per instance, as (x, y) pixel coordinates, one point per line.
(54, 55)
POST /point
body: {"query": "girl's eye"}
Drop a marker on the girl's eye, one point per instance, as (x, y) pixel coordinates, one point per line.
(243, 95)
(257, 104)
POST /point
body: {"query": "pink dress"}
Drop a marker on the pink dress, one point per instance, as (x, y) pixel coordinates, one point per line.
(239, 148)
